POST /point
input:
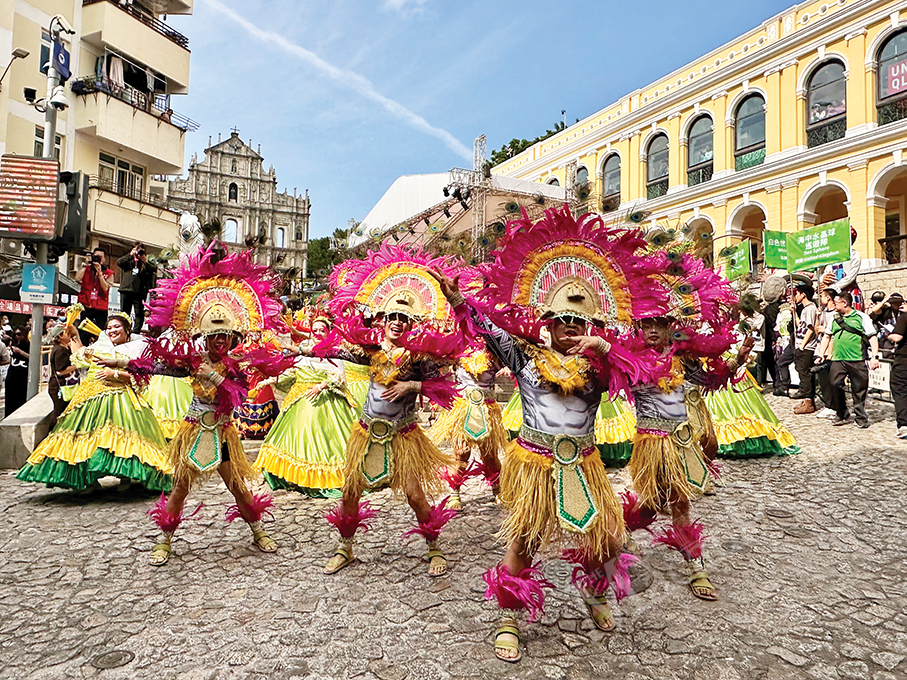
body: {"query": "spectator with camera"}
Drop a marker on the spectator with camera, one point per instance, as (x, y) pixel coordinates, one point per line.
(845, 342)
(138, 279)
(94, 277)
(884, 313)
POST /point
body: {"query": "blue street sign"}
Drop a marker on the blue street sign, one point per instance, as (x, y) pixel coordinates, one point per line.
(61, 61)
(39, 282)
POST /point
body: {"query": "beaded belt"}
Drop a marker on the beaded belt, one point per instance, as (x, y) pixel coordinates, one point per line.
(382, 428)
(657, 425)
(576, 508)
(477, 395)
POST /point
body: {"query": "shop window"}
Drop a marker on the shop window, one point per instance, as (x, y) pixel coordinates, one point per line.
(750, 133)
(700, 151)
(657, 156)
(826, 101)
(892, 74)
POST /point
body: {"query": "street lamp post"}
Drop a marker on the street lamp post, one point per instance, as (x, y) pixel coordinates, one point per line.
(50, 132)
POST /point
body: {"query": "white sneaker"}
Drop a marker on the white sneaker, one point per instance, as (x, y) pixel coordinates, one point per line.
(902, 432)
(825, 413)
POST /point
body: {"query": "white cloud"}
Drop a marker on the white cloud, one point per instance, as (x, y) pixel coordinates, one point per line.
(353, 80)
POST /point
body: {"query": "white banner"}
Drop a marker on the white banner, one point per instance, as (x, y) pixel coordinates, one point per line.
(880, 379)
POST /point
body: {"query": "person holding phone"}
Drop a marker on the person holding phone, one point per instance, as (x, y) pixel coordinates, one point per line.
(94, 277)
(138, 279)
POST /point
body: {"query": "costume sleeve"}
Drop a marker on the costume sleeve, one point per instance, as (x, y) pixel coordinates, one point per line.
(439, 388)
(500, 343)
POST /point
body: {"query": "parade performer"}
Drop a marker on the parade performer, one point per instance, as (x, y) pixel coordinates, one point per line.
(213, 300)
(669, 465)
(256, 414)
(584, 283)
(843, 277)
(474, 420)
(305, 450)
(387, 447)
(107, 429)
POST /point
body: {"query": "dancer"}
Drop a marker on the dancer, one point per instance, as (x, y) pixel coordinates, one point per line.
(387, 447)
(675, 441)
(573, 277)
(305, 450)
(107, 429)
(212, 301)
(257, 413)
(474, 420)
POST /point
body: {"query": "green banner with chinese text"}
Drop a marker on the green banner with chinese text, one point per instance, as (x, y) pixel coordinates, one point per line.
(738, 261)
(775, 248)
(818, 246)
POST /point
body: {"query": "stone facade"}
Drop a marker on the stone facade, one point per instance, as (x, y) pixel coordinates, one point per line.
(232, 185)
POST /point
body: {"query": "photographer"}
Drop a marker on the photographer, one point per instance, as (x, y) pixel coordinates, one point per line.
(138, 279)
(94, 276)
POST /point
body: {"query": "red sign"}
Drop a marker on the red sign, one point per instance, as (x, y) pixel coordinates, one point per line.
(28, 197)
(16, 307)
(897, 77)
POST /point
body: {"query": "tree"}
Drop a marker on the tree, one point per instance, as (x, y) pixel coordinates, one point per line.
(516, 146)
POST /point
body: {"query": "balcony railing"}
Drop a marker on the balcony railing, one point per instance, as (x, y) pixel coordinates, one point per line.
(148, 19)
(826, 132)
(894, 248)
(120, 189)
(154, 105)
(699, 174)
(891, 112)
(749, 159)
(657, 189)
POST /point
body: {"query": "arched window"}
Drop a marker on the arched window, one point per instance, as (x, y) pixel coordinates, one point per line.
(233, 166)
(230, 231)
(233, 190)
(611, 183)
(582, 175)
(279, 238)
(892, 72)
(553, 182)
(826, 102)
(699, 151)
(657, 155)
(750, 133)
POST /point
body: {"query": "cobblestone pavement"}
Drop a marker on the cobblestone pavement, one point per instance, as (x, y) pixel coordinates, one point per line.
(808, 553)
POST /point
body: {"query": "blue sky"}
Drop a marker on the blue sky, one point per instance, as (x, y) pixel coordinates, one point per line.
(345, 96)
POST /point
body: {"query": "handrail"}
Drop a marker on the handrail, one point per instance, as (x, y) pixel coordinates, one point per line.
(136, 99)
(148, 19)
(114, 187)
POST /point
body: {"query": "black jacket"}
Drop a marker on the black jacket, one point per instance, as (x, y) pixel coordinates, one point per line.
(132, 283)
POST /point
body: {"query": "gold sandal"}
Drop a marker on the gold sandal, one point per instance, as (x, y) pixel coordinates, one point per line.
(264, 542)
(434, 554)
(600, 612)
(160, 554)
(511, 629)
(346, 552)
(699, 582)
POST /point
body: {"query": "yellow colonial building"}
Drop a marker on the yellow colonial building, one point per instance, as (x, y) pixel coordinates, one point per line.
(800, 121)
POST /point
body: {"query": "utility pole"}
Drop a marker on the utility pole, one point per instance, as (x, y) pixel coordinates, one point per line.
(50, 132)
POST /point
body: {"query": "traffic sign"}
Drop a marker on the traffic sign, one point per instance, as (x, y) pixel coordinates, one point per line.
(39, 283)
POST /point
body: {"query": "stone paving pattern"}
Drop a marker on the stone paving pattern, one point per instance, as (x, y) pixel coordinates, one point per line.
(808, 553)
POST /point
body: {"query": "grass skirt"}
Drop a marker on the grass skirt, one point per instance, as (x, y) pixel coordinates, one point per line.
(745, 424)
(413, 456)
(180, 446)
(105, 431)
(306, 448)
(658, 470)
(449, 428)
(528, 494)
(169, 398)
(615, 426)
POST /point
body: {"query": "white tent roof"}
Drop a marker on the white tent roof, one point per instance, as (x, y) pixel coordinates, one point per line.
(407, 196)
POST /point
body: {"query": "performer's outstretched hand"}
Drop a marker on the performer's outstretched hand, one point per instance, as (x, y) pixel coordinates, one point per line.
(449, 286)
(588, 343)
(398, 390)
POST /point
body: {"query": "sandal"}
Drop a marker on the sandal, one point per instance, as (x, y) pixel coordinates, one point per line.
(435, 554)
(334, 565)
(507, 644)
(455, 502)
(264, 542)
(702, 587)
(600, 612)
(160, 554)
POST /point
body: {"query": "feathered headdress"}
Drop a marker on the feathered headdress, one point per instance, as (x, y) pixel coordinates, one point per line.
(563, 265)
(394, 279)
(213, 294)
